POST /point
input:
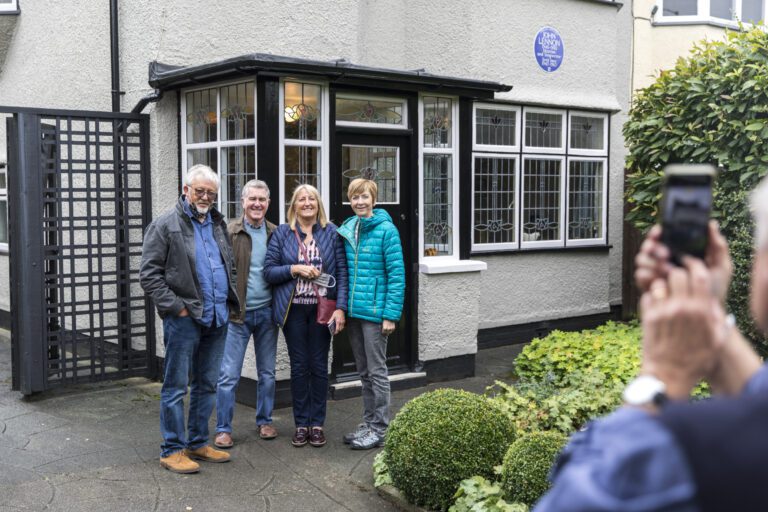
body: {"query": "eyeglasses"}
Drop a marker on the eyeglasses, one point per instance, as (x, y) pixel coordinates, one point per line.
(201, 193)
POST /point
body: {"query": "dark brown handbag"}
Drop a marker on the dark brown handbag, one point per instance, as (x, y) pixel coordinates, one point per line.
(325, 306)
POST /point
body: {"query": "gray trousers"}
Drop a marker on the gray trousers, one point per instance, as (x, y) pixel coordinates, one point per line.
(369, 347)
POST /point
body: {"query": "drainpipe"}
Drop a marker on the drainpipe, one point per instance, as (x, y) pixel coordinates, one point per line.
(114, 36)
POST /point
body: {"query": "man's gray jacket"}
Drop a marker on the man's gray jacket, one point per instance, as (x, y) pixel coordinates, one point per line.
(168, 273)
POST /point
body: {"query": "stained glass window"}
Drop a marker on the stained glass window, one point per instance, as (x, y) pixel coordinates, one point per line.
(374, 111)
(495, 127)
(301, 111)
(585, 199)
(587, 132)
(438, 122)
(494, 200)
(379, 164)
(541, 199)
(438, 205)
(544, 129)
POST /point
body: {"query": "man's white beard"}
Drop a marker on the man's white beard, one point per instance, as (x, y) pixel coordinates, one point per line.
(202, 210)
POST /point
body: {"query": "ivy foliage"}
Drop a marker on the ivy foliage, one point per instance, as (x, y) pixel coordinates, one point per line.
(712, 107)
(478, 494)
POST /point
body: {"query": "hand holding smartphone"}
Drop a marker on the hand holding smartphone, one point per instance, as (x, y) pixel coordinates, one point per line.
(332, 326)
(685, 209)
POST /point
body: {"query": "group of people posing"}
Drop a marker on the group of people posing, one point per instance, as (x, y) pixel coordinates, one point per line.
(216, 286)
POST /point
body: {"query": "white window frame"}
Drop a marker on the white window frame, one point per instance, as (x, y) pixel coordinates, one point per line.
(387, 126)
(563, 133)
(580, 242)
(11, 8)
(588, 152)
(322, 144)
(560, 242)
(346, 201)
(516, 213)
(454, 152)
(4, 197)
(494, 147)
(703, 15)
(218, 144)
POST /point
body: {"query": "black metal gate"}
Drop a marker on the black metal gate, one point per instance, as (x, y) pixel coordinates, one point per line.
(78, 199)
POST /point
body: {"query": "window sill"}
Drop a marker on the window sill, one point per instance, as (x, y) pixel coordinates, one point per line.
(578, 248)
(451, 266)
(731, 25)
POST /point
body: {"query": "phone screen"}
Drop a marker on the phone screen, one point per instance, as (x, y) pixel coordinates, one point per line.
(332, 327)
(686, 206)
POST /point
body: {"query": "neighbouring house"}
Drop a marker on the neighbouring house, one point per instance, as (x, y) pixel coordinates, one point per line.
(492, 128)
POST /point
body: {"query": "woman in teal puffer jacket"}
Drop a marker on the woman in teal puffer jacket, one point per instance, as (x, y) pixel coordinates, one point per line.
(376, 293)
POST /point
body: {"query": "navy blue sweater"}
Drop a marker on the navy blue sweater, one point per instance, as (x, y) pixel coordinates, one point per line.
(283, 251)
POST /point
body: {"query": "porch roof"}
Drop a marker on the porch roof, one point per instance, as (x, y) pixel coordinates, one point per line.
(165, 76)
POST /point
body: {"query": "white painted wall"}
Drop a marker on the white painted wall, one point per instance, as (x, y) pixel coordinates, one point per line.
(68, 67)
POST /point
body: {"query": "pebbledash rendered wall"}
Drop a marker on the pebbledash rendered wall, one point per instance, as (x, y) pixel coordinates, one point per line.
(59, 58)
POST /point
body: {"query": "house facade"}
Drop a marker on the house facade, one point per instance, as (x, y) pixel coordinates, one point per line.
(492, 128)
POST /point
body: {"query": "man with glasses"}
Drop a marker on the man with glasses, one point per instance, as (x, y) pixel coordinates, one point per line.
(250, 235)
(187, 267)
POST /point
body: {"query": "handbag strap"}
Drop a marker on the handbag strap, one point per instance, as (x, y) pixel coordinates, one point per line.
(306, 259)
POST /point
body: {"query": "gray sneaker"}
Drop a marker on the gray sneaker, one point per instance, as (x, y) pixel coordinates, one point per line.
(359, 431)
(368, 440)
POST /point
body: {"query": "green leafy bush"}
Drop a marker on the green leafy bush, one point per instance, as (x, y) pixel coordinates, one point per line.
(380, 471)
(612, 350)
(478, 494)
(711, 108)
(442, 437)
(565, 408)
(527, 464)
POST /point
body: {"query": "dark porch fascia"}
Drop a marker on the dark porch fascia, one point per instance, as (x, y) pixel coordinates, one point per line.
(165, 76)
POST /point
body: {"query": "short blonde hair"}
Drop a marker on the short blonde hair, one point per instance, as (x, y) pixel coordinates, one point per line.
(360, 185)
(321, 217)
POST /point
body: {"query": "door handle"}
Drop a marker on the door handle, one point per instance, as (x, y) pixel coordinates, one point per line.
(402, 216)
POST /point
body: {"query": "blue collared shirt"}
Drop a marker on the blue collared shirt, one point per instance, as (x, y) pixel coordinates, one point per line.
(627, 461)
(211, 272)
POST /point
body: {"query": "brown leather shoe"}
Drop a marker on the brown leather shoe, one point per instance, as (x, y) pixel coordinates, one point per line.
(300, 437)
(316, 437)
(208, 454)
(178, 462)
(267, 431)
(223, 440)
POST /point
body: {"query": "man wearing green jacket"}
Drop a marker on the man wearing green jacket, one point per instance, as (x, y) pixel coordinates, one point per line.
(375, 303)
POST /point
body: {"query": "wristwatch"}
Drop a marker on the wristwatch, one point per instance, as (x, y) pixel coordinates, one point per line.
(645, 390)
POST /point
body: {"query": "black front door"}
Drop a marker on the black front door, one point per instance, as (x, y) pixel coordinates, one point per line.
(386, 160)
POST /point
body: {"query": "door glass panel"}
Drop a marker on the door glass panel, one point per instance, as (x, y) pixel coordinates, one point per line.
(369, 111)
(376, 163)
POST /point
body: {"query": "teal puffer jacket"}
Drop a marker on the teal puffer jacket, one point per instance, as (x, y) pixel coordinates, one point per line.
(376, 268)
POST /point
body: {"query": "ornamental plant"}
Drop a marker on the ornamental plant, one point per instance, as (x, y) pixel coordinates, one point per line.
(439, 439)
(712, 107)
(527, 464)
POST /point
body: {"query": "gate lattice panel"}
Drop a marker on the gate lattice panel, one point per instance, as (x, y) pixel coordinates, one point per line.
(79, 201)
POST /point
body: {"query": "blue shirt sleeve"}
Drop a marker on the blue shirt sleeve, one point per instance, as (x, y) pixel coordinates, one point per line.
(626, 461)
(758, 383)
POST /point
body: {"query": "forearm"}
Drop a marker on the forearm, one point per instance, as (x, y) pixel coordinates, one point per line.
(737, 363)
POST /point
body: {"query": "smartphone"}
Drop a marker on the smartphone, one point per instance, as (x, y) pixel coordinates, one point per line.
(332, 327)
(685, 209)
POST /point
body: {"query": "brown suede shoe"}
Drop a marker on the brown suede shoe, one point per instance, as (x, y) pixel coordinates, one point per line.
(267, 431)
(223, 440)
(208, 454)
(178, 462)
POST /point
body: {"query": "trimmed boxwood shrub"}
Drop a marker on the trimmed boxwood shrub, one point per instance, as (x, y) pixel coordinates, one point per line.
(527, 464)
(442, 437)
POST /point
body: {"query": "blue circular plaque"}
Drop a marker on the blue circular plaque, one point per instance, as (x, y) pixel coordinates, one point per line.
(548, 49)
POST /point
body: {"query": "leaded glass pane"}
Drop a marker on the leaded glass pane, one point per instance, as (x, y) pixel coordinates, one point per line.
(369, 111)
(721, 9)
(495, 127)
(237, 120)
(302, 165)
(201, 116)
(302, 111)
(585, 200)
(751, 11)
(494, 215)
(680, 7)
(202, 156)
(541, 200)
(3, 221)
(438, 205)
(2, 180)
(587, 132)
(238, 165)
(379, 164)
(543, 130)
(438, 122)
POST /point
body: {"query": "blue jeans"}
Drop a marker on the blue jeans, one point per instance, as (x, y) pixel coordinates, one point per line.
(308, 345)
(258, 322)
(192, 357)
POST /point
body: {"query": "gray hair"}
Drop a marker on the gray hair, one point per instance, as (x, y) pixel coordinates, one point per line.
(201, 172)
(254, 184)
(759, 207)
